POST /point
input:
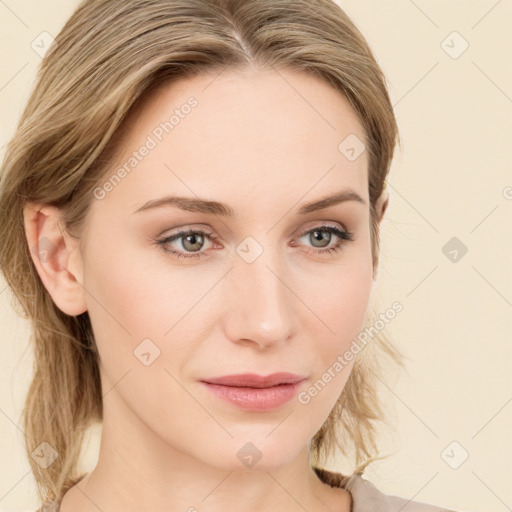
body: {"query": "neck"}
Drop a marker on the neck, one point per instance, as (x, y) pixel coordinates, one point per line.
(137, 470)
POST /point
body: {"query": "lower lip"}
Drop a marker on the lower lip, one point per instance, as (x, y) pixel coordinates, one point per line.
(255, 399)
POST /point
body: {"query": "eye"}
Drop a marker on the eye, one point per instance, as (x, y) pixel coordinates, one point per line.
(192, 241)
(321, 236)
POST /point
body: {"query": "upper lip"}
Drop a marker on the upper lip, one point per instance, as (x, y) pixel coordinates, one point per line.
(253, 380)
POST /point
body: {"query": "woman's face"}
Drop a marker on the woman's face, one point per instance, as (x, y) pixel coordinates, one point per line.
(264, 289)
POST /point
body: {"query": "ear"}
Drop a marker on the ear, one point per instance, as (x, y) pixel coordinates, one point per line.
(56, 257)
(382, 204)
(380, 208)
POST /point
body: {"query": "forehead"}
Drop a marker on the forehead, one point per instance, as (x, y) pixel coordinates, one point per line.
(252, 133)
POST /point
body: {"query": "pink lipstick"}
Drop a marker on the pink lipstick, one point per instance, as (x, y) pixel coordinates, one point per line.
(253, 392)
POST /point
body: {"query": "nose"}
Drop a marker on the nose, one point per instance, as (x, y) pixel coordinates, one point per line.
(261, 304)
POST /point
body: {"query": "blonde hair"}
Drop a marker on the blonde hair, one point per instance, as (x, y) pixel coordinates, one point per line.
(106, 59)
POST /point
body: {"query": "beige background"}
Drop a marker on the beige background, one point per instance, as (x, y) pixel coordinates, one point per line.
(452, 179)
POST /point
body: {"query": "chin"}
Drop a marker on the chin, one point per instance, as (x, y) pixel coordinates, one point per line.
(259, 450)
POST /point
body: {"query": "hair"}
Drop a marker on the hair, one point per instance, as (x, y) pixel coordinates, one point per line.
(108, 57)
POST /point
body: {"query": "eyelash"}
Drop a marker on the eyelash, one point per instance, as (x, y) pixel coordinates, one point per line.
(344, 237)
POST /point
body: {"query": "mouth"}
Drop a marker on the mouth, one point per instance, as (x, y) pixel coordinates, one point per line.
(253, 392)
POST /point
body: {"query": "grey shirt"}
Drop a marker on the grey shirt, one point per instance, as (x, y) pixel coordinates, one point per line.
(366, 497)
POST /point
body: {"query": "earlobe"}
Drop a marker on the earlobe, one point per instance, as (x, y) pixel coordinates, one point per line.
(56, 257)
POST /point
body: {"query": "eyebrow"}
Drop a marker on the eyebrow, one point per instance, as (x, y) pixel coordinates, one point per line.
(191, 204)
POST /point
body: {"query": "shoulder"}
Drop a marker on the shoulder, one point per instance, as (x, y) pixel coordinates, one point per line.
(366, 497)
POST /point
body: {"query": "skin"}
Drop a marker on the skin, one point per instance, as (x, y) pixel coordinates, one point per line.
(264, 148)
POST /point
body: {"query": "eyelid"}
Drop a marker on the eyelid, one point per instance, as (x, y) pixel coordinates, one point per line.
(322, 224)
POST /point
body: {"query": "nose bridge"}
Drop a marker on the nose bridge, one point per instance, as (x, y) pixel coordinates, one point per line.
(260, 306)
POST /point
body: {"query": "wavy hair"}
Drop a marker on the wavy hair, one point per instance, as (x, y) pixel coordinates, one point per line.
(107, 58)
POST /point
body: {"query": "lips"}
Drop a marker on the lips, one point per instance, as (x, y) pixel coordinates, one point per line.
(255, 393)
(252, 380)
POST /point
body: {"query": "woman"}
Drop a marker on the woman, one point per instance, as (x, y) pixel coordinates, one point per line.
(191, 220)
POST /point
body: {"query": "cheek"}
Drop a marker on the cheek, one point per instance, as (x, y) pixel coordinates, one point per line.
(143, 337)
(349, 304)
(138, 308)
(343, 310)
(123, 290)
(121, 299)
(339, 299)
